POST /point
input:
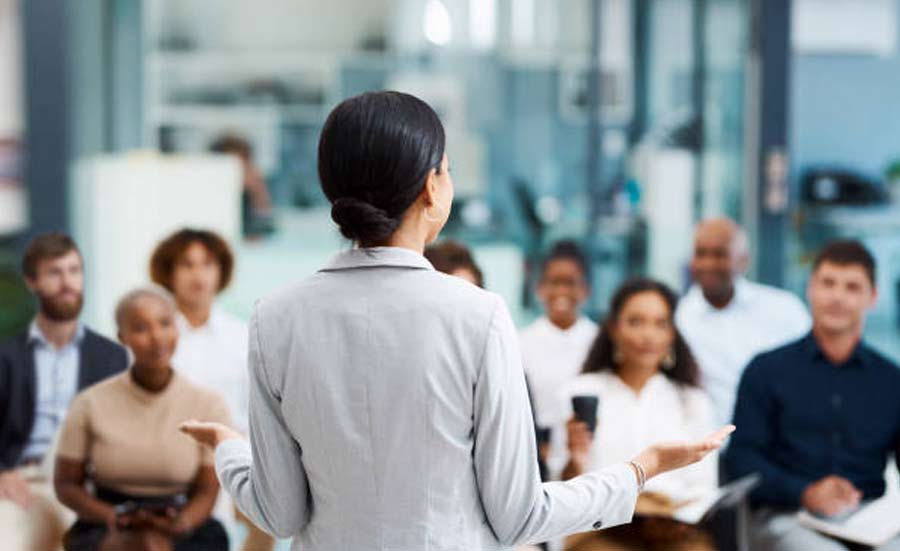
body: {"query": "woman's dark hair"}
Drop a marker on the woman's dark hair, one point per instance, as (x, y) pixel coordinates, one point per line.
(567, 250)
(449, 256)
(169, 251)
(602, 354)
(375, 153)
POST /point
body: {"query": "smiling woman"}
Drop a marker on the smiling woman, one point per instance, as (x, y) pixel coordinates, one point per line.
(647, 383)
(166, 478)
(554, 347)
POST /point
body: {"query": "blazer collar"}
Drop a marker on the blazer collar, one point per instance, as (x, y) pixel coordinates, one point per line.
(373, 257)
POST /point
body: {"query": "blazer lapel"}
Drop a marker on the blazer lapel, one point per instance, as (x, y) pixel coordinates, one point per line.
(85, 374)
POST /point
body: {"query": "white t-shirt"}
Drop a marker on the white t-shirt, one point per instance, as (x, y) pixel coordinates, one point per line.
(551, 357)
(627, 423)
(758, 318)
(214, 356)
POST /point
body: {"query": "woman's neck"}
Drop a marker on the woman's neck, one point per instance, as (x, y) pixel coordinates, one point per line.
(151, 379)
(196, 314)
(413, 232)
(564, 323)
(407, 240)
(635, 377)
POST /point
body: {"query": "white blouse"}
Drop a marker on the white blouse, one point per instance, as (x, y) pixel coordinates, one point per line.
(628, 422)
(214, 356)
(552, 357)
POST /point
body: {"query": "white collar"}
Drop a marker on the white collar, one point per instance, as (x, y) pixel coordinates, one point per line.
(370, 257)
(216, 317)
(741, 297)
(36, 335)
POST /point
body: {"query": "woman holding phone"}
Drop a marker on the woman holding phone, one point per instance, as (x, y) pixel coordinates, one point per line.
(153, 488)
(388, 408)
(646, 381)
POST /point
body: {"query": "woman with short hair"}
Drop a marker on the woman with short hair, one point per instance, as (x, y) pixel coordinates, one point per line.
(153, 488)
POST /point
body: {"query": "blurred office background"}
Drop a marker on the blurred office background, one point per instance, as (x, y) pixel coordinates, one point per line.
(619, 123)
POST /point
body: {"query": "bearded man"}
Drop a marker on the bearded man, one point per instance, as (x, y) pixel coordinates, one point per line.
(41, 370)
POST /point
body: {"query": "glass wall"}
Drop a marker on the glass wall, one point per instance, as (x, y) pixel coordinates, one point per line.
(536, 155)
(617, 123)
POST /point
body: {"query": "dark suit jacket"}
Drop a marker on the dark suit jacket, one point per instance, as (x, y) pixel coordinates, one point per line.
(99, 359)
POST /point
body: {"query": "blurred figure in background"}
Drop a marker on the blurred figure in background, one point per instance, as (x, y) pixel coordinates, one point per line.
(818, 417)
(647, 383)
(256, 203)
(555, 346)
(454, 258)
(122, 437)
(195, 266)
(726, 319)
(41, 370)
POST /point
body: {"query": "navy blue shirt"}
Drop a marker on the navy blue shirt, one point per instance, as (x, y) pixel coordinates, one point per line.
(801, 418)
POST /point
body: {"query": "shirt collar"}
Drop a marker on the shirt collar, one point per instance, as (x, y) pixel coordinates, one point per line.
(740, 298)
(212, 322)
(36, 336)
(657, 381)
(373, 257)
(144, 395)
(549, 327)
(859, 357)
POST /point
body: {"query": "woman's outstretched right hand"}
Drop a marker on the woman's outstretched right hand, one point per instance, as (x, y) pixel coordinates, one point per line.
(209, 434)
(664, 457)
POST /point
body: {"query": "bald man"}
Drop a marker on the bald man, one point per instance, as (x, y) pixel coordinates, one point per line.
(726, 319)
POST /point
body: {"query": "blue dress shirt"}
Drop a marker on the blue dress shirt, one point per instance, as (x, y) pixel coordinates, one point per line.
(57, 384)
(801, 418)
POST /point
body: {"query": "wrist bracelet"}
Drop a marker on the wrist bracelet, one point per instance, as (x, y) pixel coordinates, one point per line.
(640, 473)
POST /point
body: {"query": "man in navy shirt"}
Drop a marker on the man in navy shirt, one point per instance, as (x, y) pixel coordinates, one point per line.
(818, 418)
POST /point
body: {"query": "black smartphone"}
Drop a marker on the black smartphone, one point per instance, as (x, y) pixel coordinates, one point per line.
(585, 408)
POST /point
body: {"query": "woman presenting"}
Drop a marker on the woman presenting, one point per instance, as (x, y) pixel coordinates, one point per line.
(388, 408)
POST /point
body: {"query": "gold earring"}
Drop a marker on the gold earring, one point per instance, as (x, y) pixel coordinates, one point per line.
(429, 218)
(617, 356)
(668, 361)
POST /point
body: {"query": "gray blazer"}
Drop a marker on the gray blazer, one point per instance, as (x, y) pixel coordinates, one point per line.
(388, 411)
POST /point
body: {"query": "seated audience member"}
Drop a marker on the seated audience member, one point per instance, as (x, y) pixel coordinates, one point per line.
(818, 417)
(41, 370)
(555, 346)
(727, 319)
(196, 265)
(152, 488)
(646, 381)
(454, 258)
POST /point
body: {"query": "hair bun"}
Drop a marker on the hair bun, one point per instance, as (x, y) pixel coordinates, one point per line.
(361, 221)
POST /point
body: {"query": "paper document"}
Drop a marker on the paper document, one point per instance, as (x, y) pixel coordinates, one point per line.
(726, 496)
(875, 523)
(698, 509)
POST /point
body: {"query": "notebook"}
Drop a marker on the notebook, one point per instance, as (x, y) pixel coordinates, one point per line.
(874, 523)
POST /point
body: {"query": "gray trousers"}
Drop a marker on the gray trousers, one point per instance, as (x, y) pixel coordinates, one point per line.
(771, 530)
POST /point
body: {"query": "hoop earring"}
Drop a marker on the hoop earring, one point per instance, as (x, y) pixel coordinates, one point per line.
(429, 218)
(668, 361)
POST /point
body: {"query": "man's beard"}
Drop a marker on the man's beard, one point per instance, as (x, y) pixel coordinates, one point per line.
(61, 310)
